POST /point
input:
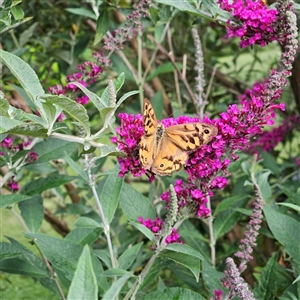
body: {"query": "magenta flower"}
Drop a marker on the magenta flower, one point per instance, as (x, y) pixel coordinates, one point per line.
(252, 22)
(32, 156)
(268, 140)
(7, 143)
(13, 185)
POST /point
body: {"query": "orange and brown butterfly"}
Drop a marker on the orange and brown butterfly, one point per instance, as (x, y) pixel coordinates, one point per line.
(164, 150)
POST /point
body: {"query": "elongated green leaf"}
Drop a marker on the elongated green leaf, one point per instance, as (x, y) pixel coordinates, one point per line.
(83, 236)
(185, 249)
(9, 250)
(24, 73)
(84, 283)
(135, 204)
(211, 277)
(193, 238)
(190, 262)
(128, 257)
(286, 230)
(84, 222)
(17, 259)
(28, 129)
(173, 293)
(226, 219)
(290, 205)
(270, 163)
(97, 101)
(6, 200)
(4, 106)
(42, 184)
(53, 149)
(75, 110)
(32, 212)
(64, 254)
(102, 26)
(6, 123)
(228, 202)
(77, 168)
(115, 288)
(144, 230)
(164, 68)
(274, 280)
(109, 192)
(82, 12)
(22, 266)
(117, 272)
(262, 180)
(182, 5)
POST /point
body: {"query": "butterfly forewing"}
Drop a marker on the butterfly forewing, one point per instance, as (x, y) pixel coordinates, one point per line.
(149, 118)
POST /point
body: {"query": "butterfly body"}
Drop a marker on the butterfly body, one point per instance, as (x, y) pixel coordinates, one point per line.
(164, 150)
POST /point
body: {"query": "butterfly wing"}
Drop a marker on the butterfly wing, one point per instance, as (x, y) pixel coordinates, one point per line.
(176, 142)
(190, 136)
(170, 158)
(148, 143)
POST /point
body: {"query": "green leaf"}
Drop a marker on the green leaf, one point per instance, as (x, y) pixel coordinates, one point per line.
(7, 200)
(286, 230)
(102, 26)
(63, 255)
(82, 12)
(128, 257)
(290, 205)
(135, 204)
(270, 163)
(273, 281)
(226, 219)
(109, 191)
(228, 202)
(97, 101)
(174, 293)
(32, 212)
(52, 149)
(6, 123)
(84, 283)
(11, 250)
(185, 249)
(193, 237)
(85, 222)
(17, 259)
(162, 69)
(181, 5)
(117, 272)
(190, 262)
(42, 184)
(83, 236)
(262, 181)
(17, 12)
(74, 109)
(109, 151)
(23, 72)
(77, 168)
(28, 129)
(143, 229)
(21, 266)
(4, 106)
(115, 288)
(211, 277)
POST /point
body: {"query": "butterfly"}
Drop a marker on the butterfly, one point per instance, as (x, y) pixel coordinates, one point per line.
(164, 150)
